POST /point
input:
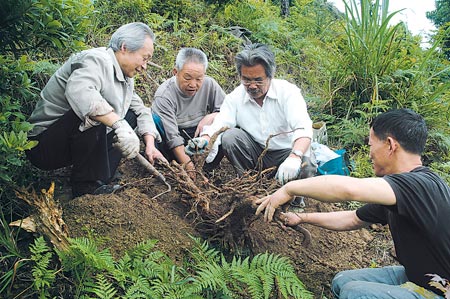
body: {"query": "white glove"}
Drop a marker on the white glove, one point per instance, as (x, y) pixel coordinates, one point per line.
(214, 149)
(196, 146)
(126, 139)
(289, 170)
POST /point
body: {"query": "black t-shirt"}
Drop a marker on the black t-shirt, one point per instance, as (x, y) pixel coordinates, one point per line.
(419, 223)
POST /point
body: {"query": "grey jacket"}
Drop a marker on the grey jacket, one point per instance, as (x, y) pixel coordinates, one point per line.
(91, 83)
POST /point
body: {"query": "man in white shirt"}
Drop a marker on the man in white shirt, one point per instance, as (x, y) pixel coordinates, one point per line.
(261, 108)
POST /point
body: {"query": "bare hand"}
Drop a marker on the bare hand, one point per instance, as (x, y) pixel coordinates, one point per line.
(265, 205)
(291, 219)
(206, 121)
(190, 169)
(270, 203)
(153, 153)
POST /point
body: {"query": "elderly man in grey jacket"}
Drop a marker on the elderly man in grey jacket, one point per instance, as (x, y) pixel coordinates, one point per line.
(89, 115)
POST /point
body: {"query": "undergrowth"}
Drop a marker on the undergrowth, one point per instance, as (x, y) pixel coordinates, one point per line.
(143, 272)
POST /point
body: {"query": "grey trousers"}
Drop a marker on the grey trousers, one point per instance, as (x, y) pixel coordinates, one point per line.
(243, 152)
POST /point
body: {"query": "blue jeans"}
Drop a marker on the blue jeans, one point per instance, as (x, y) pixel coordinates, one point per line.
(373, 283)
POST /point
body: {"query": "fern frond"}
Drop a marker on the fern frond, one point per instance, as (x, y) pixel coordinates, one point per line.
(140, 288)
(41, 255)
(266, 273)
(202, 253)
(84, 252)
(142, 249)
(214, 277)
(102, 288)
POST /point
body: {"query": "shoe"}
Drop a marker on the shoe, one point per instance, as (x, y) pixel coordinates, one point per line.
(117, 176)
(106, 189)
(297, 205)
(89, 187)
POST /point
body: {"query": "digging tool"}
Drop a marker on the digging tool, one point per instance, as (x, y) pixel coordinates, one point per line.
(144, 162)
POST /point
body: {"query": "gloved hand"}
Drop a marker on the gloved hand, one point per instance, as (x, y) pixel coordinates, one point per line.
(289, 170)
(196, 146)
(126, 139)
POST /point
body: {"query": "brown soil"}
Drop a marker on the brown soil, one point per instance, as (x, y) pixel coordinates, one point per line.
(142, 210)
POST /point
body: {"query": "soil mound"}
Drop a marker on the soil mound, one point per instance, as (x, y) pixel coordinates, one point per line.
(144, 209)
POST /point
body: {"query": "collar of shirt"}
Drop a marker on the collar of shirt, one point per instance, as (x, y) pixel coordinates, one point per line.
(117, 70)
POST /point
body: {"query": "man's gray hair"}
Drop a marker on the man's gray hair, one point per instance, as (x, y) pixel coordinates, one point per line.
(190, 55)
(255, 54)
(132, 35)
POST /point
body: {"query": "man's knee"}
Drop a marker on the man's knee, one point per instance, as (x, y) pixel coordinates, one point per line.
(336, 284)
(344, 281)
(232, 139)
(355, 290)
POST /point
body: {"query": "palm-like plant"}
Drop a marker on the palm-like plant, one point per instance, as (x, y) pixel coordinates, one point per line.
(371, 45)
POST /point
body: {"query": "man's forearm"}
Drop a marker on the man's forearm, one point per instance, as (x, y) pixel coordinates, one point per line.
(180, 155)
(337, 188)
(107, 119)
(301, 144)
(338, 221)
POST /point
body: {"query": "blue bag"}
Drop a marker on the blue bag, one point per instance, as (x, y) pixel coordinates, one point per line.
(339, 165)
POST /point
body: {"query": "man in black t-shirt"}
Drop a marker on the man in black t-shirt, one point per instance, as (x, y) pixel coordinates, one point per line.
(410, 198)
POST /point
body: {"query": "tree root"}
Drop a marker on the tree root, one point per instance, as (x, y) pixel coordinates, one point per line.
(47, 219)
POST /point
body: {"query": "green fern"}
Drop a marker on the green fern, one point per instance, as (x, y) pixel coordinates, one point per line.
(145, 273)
(43, 277)
(260, 277)
(84, 260)
(102, 288)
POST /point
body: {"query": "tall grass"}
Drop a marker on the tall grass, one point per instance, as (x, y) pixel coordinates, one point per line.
(372, 44)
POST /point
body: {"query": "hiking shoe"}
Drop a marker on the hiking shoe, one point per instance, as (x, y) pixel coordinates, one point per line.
(297, 205)
(98, 187)
(106, 189)
(298, 202)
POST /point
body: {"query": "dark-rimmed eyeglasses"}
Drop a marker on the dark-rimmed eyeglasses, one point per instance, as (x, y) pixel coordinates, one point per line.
(257, 82)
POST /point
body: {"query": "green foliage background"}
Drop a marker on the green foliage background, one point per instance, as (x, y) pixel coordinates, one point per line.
(350, 66)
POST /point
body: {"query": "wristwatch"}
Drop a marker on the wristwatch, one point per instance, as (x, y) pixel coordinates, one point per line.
(298, 153)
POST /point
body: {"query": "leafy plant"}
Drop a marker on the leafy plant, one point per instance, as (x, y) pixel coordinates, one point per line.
(145, 273)
(27, 25)
(41, 255)
(349, 133)
(260, 277)
(83, 260)
(371, 45)
(11, 257)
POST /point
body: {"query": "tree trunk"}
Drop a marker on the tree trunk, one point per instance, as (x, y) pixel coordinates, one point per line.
(284, 8)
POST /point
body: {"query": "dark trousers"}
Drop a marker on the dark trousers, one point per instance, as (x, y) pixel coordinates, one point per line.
(91, 153)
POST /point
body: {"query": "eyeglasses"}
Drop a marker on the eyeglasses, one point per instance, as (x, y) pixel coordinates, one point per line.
(146, 59)
(257, 82)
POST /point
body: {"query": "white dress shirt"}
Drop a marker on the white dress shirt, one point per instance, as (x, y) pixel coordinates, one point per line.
(283, 110)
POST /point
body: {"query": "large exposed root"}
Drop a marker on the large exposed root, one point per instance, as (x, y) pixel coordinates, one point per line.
(47, 218)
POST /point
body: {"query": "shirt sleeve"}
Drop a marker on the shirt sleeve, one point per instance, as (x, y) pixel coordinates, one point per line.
(145, 123)
(372, 213)
(167, 111)
(297, 115)
(83, 89)
(419, 196)
(226, 117)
